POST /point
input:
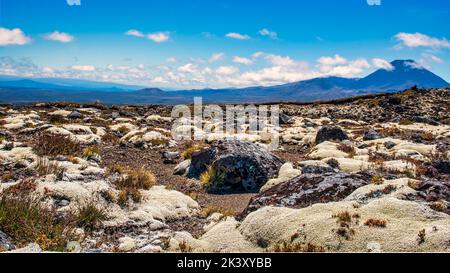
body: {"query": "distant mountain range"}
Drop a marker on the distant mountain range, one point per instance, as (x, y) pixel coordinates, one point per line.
(404, 74)
(64, 84)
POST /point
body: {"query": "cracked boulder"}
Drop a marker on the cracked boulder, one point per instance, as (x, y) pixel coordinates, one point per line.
(242, 166)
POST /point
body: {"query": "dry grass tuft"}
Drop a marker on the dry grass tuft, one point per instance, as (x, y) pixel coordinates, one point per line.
(45, 167)
(184, 247)
(90, 215)
(191, 149)
(405, 122)
(211, 177)
(131, 182)
(297, 247)
(26, 220)
(377, 180)
(375, 223)
(91, 151)
(110, 138)
(123, 130)
(54, 145)
(343, 216)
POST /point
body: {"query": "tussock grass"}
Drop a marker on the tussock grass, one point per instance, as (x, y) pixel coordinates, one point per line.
(45, 167)
(91, 151)
(191, 149)
(110, 138)
(375, 223)
(211, 177)
(131, 182)
(54, 145)
(90, 215)
(25, 219)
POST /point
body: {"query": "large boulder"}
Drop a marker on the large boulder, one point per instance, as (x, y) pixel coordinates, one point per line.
(243, 166)
(307, 189)
(329, 133)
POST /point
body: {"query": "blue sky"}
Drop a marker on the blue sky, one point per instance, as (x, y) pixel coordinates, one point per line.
(200, 43)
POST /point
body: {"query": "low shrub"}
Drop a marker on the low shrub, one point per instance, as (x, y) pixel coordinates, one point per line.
(297, 247)
(375, 223)
(90, 215)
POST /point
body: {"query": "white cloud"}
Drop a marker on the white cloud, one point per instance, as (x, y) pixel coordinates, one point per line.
(59, 37)
(85, 68)
(257, 54)
(280, 60)
(73, 2)
(216, 57)
(414, 65)
(433, 58)
(188, 68)
(341, 67)
(227, 70)
(330, 61)
(242, 60)
(237, 36)
(275, 70)
(159, 37)
(13, 37)
(421, 40)
(382, 64)
(136, 33)
(171, 60)
(266, 32)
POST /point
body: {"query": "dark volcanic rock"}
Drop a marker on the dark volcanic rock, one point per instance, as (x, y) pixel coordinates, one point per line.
(317, 169)
(372, 135)
(394, 100)
(307, 189)
(243, 166)
(389, 144)
(6, 242)
(426, 120)
(442, 166)
(75, 115)
(433, 190)
(330, 133)
(285, 119)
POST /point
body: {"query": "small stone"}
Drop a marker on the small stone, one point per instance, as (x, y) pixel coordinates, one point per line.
(75, 115)
(31, 248)
(373, 247)
(182, 168)
(285, 119)
(389, 144)
(8, 146)
(127, 244)
(170, 157)
(6, 242)
(114, 115)
(371, 135)
(73, 247)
